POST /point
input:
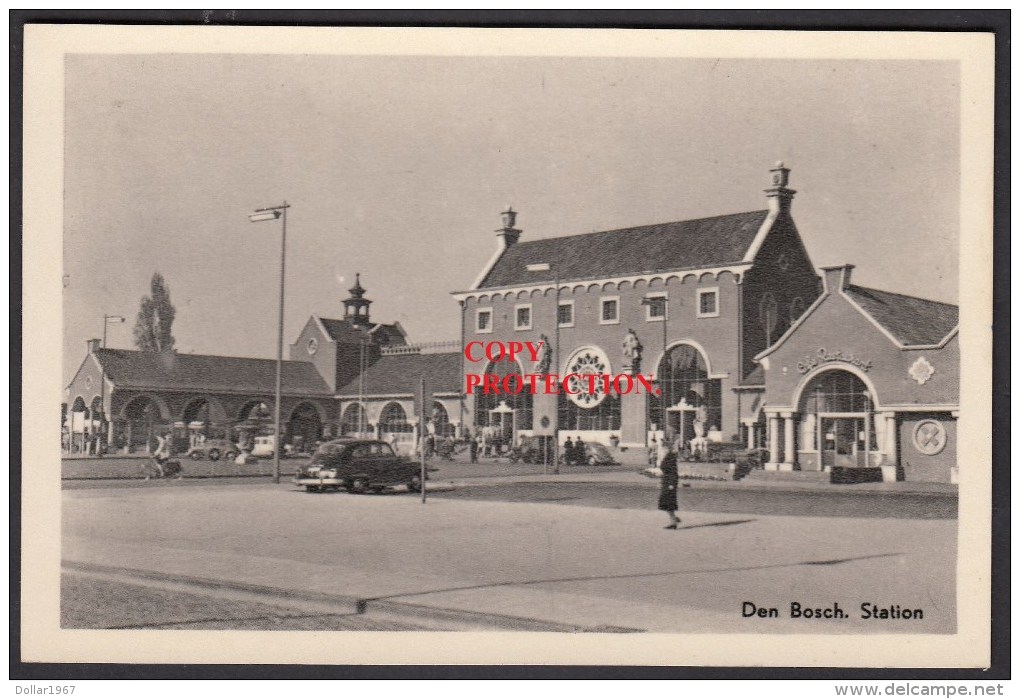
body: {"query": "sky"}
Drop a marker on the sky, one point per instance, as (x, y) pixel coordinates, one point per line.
(398, 167)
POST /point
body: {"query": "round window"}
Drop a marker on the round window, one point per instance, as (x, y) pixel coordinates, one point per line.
(582, 390)
(930, 437)
(313, 345)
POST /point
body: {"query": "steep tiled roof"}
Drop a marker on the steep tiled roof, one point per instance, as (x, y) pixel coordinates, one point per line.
(207, 373)
(705, 242)
(343, 331)
(910, 320)
(400, 374)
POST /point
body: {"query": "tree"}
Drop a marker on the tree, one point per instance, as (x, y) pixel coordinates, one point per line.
(155, 319)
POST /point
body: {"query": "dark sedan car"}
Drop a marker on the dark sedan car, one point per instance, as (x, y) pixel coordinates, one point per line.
(357, 466)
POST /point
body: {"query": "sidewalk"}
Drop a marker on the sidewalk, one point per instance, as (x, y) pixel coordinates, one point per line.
(511, 565)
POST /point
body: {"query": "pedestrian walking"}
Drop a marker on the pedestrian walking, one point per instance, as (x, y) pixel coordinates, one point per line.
(670, 480)
(473, 447)
(568, 451)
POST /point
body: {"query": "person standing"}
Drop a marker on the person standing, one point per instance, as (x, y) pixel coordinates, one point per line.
(670, 481)
(568, 451)
(473, 447)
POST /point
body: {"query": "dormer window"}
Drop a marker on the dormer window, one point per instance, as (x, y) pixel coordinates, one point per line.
(708, 303)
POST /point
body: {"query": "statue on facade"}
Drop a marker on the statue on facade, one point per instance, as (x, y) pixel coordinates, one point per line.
(631, 352)
(546, 361)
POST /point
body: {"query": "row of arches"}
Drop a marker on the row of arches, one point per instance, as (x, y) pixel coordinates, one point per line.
(652, 282)
(393, 419)
(141, 419)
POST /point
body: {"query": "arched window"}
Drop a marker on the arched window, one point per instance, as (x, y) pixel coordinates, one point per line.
(394, 419)
(582, 409)
(441, 420)
(796, 309)
(768, 316)
(354, 420)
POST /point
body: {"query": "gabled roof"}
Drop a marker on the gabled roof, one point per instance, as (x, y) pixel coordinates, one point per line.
(399, 374)
(344, 331)
(911, 320)
(706, 242)
(207, 373)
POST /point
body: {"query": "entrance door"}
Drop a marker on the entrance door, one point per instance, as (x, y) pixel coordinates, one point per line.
(840, 440)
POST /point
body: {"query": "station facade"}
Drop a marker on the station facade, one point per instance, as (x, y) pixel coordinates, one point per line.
(727, 316)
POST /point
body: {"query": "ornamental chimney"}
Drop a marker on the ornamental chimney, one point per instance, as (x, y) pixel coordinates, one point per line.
(836, 277)
(779, 195)
(508, 235)
(93, 345)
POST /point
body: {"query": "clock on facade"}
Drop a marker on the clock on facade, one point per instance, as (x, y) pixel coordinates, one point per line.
(313, 345)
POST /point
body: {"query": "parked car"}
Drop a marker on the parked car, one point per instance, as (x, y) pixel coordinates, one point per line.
(357, 465)
(213, 449)
(263, 447)
(596, 453)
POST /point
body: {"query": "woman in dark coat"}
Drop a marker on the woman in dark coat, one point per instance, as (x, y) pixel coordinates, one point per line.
(667, 493)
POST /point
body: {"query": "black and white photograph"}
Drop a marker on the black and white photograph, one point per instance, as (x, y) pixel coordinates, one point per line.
(391, 345)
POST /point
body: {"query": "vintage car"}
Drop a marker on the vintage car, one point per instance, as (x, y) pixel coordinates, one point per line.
(213, 449)
(357, 465)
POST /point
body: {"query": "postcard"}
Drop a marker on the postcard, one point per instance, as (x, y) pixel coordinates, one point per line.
(506, 346)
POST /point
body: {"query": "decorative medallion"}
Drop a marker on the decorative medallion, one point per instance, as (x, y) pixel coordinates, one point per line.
(930, 437)
(585, 362)
(313, 345)
(921, 370)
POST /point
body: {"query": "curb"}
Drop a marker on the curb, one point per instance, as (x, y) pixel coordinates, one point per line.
(332, 603)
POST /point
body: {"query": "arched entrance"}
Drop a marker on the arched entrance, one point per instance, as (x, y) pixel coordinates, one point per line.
(690, 405)
(500, 417)
(142, 423)
(837, 421)
(255, 419)
(77, 424)
(203, 421)
(304, 428)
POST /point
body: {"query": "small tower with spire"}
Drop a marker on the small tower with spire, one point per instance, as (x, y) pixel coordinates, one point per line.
(356, 305)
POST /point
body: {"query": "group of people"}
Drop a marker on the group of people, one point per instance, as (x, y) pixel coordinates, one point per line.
(575, 453)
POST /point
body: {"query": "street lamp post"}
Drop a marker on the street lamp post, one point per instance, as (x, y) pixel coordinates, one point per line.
(107, 319)
(271, 213)
(651, 303)
(546, 267)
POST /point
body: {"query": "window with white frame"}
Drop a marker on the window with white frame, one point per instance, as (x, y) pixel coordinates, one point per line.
(708, 303)
(483, 320)
(610, 310)
(565, 314)
(522, 316)
(655, 306)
